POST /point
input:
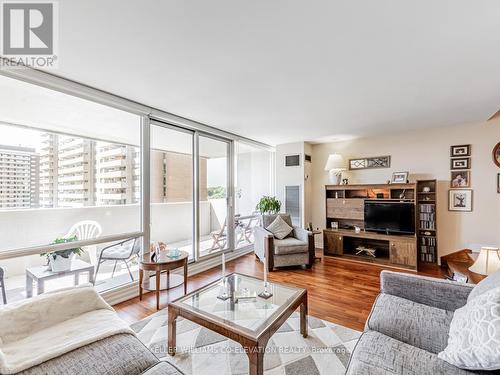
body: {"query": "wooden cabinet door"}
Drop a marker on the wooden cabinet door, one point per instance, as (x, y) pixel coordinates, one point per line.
(334, 244)
(351, 209)
(403, 253)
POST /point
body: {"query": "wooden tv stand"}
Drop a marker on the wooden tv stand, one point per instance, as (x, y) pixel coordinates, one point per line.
(397, 251)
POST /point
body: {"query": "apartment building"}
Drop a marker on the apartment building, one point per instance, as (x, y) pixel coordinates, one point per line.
(117, 174)
(75, 177)
(19, 176)
(48, 170)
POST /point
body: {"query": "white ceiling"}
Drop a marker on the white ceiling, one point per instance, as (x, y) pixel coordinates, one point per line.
(284, 70)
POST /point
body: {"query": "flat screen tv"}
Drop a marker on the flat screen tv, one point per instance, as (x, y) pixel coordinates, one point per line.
(390, 217)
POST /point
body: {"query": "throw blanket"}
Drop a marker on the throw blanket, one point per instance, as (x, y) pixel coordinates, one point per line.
(47, 326)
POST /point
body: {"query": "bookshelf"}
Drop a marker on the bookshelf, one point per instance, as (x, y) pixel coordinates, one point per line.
(427, 221)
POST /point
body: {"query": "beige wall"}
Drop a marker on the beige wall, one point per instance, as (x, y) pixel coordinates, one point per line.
(426, 154)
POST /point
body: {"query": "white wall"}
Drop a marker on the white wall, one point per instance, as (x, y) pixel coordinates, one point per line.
(426, 154)
(289, 175)
(307, 193)
(253, 178)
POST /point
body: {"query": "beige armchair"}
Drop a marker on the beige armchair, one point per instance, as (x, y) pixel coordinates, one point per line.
(296, 249)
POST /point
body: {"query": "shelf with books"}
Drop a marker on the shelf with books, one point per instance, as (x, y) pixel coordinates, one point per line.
(427, 220)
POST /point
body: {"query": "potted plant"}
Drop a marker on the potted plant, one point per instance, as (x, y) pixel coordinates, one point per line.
(60, 260)
(268, 205)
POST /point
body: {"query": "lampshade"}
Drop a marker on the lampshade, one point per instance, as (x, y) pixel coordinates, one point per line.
(335, 162)
(487, 262)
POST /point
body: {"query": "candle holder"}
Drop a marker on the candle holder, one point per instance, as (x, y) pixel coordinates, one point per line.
(223, 295)
(265, 293)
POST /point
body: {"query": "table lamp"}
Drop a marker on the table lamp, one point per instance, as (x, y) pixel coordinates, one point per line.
(335, 165)
(487, 262)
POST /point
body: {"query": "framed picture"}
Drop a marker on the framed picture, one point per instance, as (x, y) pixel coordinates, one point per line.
(460, 179)
(460, 163)
(460, 200)
(496, 154)
(369, 163)
(461, 150)
(399, 177)
(498, 182)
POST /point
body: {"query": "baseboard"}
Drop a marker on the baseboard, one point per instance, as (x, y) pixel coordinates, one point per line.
(131, 290)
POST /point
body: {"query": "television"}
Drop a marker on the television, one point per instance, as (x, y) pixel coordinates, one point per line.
(390, 217)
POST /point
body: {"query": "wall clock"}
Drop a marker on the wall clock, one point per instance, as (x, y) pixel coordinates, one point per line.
(496, 154)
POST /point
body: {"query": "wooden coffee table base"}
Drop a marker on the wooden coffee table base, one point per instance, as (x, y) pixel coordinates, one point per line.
(255, 349)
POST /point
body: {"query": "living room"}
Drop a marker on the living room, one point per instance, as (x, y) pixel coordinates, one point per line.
(271, 188)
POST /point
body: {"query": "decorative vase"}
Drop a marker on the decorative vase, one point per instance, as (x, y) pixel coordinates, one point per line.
(59, 263)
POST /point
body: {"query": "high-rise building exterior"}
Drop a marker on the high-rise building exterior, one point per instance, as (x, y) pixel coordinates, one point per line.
(75, 172)
(19, 177)
(48, 170)
(117, 174)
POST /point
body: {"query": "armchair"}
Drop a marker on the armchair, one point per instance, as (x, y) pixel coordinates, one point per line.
(296, 249)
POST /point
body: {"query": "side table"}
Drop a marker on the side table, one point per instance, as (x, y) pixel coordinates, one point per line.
(40, 274)
(162, 263)
(315, 232)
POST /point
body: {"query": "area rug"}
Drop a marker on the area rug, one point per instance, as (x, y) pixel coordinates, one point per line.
(326, 350)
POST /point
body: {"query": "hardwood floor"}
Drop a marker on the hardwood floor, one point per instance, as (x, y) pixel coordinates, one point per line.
(339, 291)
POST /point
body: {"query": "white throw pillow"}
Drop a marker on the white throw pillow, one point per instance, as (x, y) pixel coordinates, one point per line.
(474, 337)
(491, 282)
(279, 228)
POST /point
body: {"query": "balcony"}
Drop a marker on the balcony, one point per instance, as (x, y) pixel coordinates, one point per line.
(79, 160)
(119, 150)
(171, 223)
(112, 174)
(113, 163)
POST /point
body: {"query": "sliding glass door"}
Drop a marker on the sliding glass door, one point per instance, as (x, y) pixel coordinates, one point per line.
(171, 187)
(216, 227)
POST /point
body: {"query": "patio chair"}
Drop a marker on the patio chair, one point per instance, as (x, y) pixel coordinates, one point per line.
(219, 237)
(86, 230)
(246, 229)
(122, 251)
(2, 285)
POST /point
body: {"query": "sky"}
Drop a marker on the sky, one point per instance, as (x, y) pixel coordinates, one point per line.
(12, 136)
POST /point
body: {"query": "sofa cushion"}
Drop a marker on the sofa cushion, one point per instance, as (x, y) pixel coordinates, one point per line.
(279, 228)
(419, 325)
(474, 337)
(378, 354)
(268, 219)
(121, 354)
(290, 245)
(492, 281)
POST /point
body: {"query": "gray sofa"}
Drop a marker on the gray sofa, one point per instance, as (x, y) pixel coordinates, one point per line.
(408, 326)
(122, 354)
(297, 249)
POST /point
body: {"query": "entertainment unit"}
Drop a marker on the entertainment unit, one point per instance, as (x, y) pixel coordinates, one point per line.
(386, 217)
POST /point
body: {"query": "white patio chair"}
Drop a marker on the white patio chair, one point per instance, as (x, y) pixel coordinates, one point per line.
(87, 230)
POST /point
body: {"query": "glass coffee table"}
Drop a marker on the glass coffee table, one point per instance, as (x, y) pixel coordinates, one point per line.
(248, 321)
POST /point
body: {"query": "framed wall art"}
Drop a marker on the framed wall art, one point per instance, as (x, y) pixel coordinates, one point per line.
(460, 163)
(369, 163)
(460, 150)
(460, 200)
